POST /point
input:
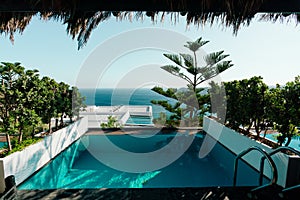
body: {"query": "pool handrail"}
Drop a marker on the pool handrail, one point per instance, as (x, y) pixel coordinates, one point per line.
(281, 149)
(270, 160)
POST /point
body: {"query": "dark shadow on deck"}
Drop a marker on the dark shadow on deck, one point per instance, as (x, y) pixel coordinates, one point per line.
(132, 194)
(231, 193)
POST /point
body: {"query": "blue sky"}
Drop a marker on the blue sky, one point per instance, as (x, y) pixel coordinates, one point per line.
(263, 48)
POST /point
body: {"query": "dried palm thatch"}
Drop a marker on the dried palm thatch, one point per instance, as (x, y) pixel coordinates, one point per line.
(11, 22)
(81, 17)
(281, 17)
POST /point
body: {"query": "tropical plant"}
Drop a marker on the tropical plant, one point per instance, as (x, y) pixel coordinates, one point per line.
(47, 108)
(26, 101)
(284, 110)
(75, 103)
(162, 120)
(26, 95)
(191, 103)
(246, 104)
(19, 147)
(112, 122)
(251, 104)
(217, 101)
(9, 73)
(174, 108)
(62, 101)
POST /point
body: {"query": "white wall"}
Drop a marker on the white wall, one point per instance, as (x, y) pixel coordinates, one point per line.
(123, 119)
(238, 143)
(24, 163)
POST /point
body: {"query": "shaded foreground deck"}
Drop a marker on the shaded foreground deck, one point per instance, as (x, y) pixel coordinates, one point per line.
(136, 194)
(226, 193)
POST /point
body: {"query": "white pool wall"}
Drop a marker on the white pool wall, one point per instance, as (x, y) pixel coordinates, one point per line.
(24, 163)
(237, 143)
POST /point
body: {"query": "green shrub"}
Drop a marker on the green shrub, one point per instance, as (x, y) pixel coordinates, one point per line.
(19, 147)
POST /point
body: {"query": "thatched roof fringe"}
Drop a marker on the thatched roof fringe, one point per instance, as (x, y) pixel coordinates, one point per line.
(82, 19)
(147, 5)
(92, 23)
(14, 22)
(281, 17)
(81, 24)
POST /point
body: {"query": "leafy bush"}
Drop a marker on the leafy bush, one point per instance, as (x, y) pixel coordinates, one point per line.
(111, 123)
(19, 147)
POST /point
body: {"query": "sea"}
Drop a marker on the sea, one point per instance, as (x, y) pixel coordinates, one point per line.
(125, 96)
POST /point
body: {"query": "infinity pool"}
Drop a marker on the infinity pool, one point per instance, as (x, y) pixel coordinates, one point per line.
(139, 161)
(140, 120)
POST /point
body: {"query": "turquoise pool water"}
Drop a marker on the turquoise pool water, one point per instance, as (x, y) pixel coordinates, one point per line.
(295, 143)
(80, 167)
(139, 120)
(2, 144)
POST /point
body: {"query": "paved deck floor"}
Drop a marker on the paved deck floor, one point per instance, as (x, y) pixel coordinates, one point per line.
(211, 193)
(130, 194)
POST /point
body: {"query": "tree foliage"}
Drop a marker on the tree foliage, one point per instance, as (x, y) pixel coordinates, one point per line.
(284, 110)
(27, 101)
(112, 122)
(9, 72)
(192, 102)
(252, 104)
(246, 103)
